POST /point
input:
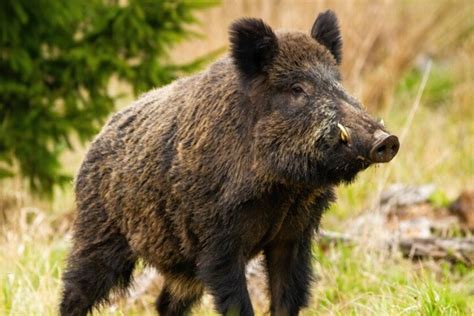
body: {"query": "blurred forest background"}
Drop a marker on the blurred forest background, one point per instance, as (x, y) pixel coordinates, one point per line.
(66, 65)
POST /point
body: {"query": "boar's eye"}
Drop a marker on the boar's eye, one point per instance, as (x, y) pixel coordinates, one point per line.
(297, 90)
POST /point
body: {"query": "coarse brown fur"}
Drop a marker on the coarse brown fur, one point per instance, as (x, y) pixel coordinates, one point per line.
(198, 177)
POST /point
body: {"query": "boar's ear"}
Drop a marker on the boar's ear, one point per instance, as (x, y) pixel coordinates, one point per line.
(253, 46)
(326, 31)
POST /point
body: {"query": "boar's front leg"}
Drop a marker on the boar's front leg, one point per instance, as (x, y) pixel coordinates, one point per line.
(222, 269)
(289, 274)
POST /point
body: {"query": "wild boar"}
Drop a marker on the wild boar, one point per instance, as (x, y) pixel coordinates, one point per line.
(198, 177)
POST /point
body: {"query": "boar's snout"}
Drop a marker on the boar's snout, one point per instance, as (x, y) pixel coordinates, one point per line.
(384, 148)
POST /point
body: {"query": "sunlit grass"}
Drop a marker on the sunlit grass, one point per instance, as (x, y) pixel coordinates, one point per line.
(355, 281)
(31, 263)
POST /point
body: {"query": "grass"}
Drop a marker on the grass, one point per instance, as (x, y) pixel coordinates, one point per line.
(31, 264)
(380, 67)
(355, 281)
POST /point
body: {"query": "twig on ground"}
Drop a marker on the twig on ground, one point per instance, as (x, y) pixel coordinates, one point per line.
(453, 249)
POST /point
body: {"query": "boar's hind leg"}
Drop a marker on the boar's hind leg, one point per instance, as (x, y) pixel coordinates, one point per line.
(289, 275)
(95, 266)
(222, 270)
(178, 296)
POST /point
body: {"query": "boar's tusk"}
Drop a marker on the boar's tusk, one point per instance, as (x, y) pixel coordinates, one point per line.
(344, 133)
(381, 122)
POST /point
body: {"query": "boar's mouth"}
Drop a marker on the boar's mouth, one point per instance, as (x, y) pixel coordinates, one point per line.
(358, 152)
(346, 172)
(383, 146)
(363, 162)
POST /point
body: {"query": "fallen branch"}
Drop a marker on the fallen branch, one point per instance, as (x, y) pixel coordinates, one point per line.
(455, 249)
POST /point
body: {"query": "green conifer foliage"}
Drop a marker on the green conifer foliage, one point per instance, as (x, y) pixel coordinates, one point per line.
(56, 60)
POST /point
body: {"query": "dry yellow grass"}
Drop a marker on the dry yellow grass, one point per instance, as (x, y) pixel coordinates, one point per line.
(382, 39)
(384, 43)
